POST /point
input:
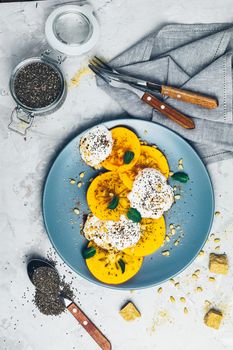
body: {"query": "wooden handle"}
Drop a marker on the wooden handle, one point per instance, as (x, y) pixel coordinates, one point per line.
(89, 327)
(189, 97)
(168, 111)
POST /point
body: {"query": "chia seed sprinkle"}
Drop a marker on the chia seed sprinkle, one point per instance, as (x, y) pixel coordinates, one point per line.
(49, 287)
(46, 280)
(37, 85)
(49, 304)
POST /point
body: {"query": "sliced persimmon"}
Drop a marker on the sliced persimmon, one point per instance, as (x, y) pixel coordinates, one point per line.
(113, 268)
(152, 237)
(107, 196)
(150, 157)
(125, 152)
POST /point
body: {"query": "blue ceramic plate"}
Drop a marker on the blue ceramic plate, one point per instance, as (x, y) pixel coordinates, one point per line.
(193, 212)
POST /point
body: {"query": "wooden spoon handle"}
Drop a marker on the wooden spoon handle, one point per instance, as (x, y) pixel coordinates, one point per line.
(189, 97)
(168, 111)
(94, 332)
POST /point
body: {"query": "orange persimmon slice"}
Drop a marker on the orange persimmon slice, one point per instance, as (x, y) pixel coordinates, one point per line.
(125, 141)
(107, 196)
(150, 157)
(152, 237)
(112, 268)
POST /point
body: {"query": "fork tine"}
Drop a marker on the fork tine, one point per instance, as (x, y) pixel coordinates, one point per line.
(97, 72)
(99, 64)
(103, 64)
(93, 61)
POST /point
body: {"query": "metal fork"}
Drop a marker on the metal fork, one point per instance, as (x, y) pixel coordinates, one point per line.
(147, 95)
(164, 90)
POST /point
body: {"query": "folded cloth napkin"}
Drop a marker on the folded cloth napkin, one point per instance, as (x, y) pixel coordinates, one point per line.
(197, 58)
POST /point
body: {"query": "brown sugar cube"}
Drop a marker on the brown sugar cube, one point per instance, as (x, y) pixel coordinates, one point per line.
(218, 263)
(129, 312)
(213, 318)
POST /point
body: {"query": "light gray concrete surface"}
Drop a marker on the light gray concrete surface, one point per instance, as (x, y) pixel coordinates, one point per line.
(23, 165)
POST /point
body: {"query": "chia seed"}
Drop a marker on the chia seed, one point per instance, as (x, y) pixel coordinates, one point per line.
(37, 85)
(49, 304)
(49, 291)
(46, 280)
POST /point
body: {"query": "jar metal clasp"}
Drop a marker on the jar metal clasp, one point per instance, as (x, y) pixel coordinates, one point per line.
(21, 120)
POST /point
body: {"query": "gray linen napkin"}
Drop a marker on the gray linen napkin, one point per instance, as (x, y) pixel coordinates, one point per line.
(198, 58)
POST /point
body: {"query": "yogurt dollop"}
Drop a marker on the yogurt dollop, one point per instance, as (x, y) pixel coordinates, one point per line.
(112, 234)
(96, 145)
(151, 195)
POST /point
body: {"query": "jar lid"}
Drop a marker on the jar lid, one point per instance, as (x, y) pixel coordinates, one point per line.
(72, 29)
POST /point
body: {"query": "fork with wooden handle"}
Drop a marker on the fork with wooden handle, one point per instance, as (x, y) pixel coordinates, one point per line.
(165, 90)
(146, 95)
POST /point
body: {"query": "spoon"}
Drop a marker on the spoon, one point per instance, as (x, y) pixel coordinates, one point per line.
(93, 331)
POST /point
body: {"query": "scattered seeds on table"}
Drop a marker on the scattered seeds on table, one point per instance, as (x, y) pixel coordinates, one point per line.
(72, 181)
(212, 279)
(177, 242)
(207, 303)
(82, 174)
(167, 238)
(79, 184)
(160, 289)
(177, 284)
(216, 240)
(217, 213)
(194, 276)
(199, 289)
(172, 299)
(217, 248)
(182, 299)
(185, 310)
(201, 253)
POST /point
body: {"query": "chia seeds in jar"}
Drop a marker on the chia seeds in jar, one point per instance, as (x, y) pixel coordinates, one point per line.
(37, 85)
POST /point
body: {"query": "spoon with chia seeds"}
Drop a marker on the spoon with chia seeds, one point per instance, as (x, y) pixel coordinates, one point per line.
(46, 279)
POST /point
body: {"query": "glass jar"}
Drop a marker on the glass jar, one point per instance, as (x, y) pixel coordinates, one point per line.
(23, 114)
(69, 30)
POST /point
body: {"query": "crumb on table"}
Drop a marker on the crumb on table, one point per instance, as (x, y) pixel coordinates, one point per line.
(218, 263)
(213, 318)
(129, 312)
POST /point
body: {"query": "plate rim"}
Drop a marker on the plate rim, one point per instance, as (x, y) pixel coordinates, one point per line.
(123, 287)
